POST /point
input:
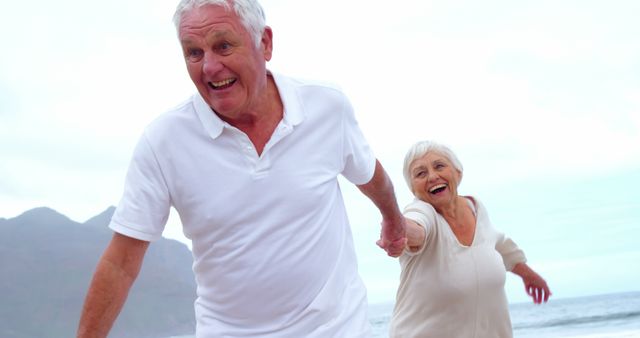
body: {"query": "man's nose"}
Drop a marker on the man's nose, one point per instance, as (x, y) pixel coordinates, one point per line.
(212, 64)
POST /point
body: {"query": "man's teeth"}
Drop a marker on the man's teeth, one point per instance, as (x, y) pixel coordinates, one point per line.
(221, 83)
(437, 187)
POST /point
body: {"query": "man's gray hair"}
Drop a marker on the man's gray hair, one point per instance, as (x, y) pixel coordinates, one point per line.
(421, 148)
(249, 11)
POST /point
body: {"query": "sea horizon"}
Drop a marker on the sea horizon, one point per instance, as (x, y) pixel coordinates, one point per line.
(607, 315)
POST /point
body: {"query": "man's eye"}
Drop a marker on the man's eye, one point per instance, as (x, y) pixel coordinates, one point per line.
(193, 54)
(224, 47)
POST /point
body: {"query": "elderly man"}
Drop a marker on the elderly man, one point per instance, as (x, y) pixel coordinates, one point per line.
(251, 164)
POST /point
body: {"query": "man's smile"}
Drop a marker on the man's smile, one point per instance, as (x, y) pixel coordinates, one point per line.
(221, 84)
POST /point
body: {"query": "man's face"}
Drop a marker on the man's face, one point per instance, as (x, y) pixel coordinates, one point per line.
(223, 61)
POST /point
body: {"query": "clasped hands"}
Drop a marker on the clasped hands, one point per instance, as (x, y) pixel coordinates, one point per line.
(393, 238)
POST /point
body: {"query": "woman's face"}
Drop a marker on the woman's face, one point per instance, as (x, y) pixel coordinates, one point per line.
(434, 179)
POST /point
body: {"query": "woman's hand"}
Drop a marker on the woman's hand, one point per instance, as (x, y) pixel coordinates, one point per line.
(534, 285)
(393, 237)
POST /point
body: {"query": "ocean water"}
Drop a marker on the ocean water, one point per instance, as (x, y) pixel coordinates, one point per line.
(602, 316)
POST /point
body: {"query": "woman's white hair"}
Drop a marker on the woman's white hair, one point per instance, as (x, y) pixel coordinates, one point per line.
(421, 148)
(249, 11)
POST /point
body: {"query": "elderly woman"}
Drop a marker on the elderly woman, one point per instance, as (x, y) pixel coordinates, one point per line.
(455, 263)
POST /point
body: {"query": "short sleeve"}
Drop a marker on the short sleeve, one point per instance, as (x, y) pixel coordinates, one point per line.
(358, 158)
(424, 215)
(145, 204)
(506, 247)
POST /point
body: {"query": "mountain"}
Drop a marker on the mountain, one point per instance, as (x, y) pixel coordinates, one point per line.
(46, 264)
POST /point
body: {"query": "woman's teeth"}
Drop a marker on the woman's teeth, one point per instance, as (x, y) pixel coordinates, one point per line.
(437, 188)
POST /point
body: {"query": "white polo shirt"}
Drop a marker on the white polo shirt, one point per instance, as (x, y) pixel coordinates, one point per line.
(272, 245)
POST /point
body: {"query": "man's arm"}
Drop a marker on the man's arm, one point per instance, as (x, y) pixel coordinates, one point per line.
(380, 191)
(116, 271)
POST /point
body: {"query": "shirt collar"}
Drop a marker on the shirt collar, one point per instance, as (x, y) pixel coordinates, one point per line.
(293, 108)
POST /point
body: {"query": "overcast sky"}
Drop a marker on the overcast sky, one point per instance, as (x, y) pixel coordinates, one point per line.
(539, 99)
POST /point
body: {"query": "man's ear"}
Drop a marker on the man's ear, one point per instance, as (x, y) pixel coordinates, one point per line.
(267, 43)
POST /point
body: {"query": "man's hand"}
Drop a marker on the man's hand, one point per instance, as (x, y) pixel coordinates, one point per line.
(379, 189)
(393, 237)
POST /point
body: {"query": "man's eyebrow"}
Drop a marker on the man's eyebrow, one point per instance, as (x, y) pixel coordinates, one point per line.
(213, 36)
(217, 35)
(185, 41)
(220, 33)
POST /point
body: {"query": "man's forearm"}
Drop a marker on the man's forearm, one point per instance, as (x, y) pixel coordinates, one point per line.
(105, 298)
(116, 271)
(380, 190)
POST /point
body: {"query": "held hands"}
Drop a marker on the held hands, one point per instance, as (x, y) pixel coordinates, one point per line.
(393, 237)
